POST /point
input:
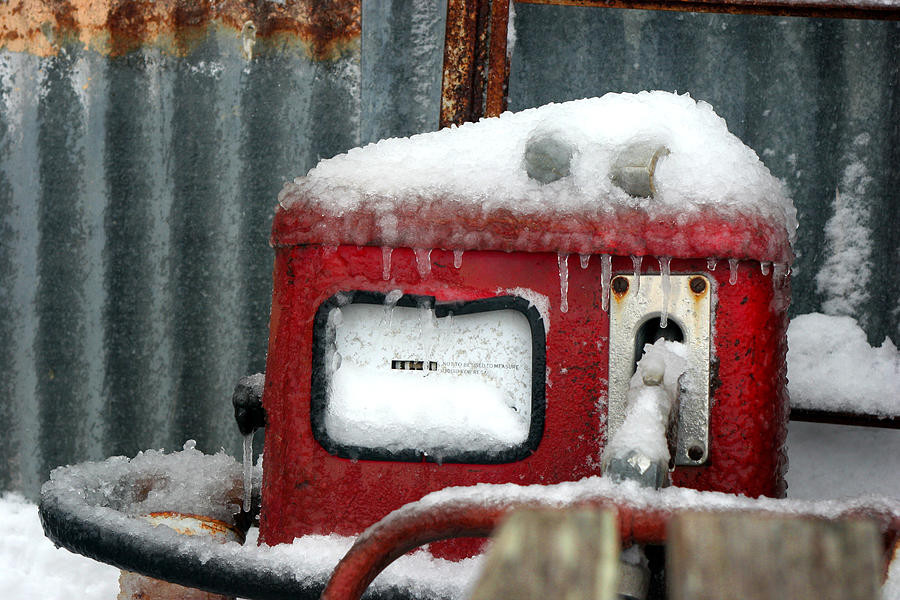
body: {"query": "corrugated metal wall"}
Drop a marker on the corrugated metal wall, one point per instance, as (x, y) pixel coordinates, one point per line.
(137, 188)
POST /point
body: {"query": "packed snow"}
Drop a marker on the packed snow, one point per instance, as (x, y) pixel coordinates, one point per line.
(709, 194)
(832, 367)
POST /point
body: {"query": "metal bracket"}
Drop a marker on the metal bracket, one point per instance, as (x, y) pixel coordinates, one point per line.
(689, 303)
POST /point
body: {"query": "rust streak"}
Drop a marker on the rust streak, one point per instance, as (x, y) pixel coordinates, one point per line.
(476, 64)
(481, 58)
(326, 28)
(459, 62)
(498, 68)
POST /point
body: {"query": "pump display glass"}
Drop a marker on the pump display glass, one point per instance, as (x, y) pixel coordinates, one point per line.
(402, 377)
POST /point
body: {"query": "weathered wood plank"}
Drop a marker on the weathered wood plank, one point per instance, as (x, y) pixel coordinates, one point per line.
(547, 554)
(757, 557)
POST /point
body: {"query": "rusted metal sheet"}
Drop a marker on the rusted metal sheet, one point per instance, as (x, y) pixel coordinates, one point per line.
(324, 27)
(888, 10)
(476, 65)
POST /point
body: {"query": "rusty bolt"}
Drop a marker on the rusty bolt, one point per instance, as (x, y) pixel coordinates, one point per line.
(698, 285)
(620, 285)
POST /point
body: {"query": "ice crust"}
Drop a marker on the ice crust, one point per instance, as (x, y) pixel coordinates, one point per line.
(466, 188)
(832, 367)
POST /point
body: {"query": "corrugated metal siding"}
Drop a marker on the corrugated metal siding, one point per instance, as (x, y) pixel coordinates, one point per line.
(136, 190)
(136, 193)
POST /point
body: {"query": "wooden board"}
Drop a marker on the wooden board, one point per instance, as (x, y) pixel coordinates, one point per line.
(546, 554)
(756, 557)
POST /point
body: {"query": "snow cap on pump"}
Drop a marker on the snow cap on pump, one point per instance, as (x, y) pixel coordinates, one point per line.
(652, 173)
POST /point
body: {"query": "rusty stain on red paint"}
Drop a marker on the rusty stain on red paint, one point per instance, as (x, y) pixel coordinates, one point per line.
(324, 28)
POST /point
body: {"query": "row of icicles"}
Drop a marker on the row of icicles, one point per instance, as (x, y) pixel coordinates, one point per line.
(780, 272)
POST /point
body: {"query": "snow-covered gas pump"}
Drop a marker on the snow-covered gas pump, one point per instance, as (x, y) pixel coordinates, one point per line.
(468, 306)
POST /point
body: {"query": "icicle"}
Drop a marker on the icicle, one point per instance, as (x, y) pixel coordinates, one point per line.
(457, 258)
(636, 263)
(390, 301)
(392, 297)
(764, 267)
(778, 275)
(562, 260)
(664, 270)
(386, 262)
(585, 260)
(732, 270)
(605, 275)
(248, 470)
(423, 261)
(711, 263)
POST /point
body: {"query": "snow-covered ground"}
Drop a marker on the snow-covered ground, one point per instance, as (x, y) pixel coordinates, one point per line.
(827, 461)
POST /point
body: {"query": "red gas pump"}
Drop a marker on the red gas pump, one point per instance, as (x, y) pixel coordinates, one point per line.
(431, 332)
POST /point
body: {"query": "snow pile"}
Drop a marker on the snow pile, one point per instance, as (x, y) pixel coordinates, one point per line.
(31, 568)
(651, 396)
(832, 367)
(469, 187)
(401, 378)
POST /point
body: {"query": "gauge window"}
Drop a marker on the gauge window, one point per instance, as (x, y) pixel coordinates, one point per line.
(406, 378)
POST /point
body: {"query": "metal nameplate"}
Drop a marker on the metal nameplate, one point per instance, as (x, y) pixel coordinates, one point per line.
(632, 305)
